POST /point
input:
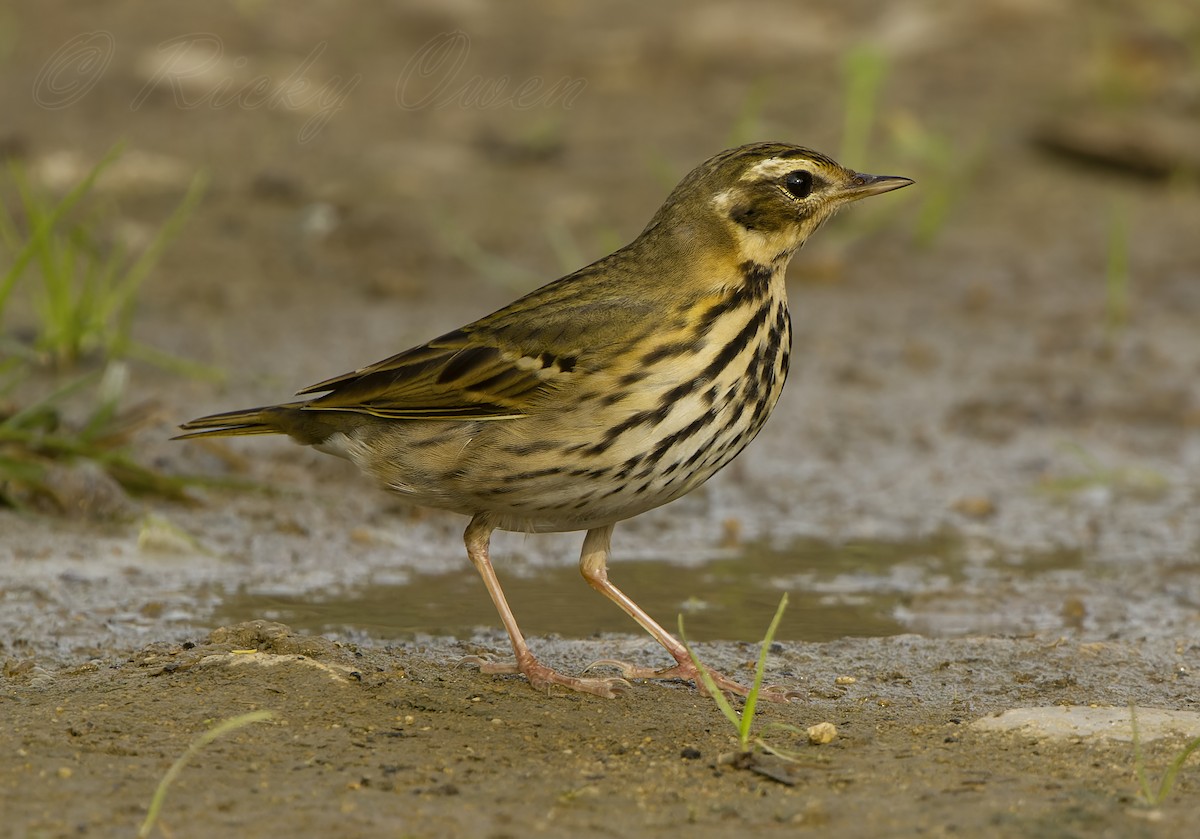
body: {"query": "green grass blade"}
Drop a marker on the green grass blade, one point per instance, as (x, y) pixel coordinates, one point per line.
(864, 69)
(9, 237)
(44, 222)
(1151, 797)
(124, 289)
(1116, 269)
(748, 125)
(219, 730)
(20, 418)
(760, 670)
(709, 683)
(744, 721)
(173, 363)
(109, 391)
(1168, 781)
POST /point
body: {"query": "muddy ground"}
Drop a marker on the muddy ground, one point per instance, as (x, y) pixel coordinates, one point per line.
(979, 488)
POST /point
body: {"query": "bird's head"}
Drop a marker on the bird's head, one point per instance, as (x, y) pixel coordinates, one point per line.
(768, 197)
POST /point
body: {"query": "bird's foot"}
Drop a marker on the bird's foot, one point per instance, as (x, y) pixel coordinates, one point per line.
(687, 671)
(543, 678)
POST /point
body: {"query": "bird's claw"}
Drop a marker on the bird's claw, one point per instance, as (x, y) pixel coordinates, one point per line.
(629, 671)
(544, 678)
(687, 671)
(486, 665)
(778, 693)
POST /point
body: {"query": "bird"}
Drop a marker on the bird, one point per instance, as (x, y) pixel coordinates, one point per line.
(599, 396)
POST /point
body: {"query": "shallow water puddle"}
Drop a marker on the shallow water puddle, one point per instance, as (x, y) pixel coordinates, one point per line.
(834, 591)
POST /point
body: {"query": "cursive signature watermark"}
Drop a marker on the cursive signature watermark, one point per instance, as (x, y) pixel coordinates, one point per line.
(74, 69)
(432, 78)
(197, 74)
(194, 73)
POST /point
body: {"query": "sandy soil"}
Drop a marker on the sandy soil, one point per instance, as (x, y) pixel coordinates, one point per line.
(979, 488)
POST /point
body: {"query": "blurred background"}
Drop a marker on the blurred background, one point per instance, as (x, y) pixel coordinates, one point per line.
(237, 199)
(392, 152)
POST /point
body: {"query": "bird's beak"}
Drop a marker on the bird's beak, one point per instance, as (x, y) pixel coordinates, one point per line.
(861, 186)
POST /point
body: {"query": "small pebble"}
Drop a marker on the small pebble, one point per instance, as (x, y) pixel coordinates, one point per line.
(822, 733)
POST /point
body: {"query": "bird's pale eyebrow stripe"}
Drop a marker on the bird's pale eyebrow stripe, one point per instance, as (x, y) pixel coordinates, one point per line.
(774, 167)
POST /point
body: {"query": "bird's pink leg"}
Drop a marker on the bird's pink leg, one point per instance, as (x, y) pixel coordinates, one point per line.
(478, 538)
(593, 564)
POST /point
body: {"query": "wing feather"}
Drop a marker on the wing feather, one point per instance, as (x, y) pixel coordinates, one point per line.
(500, 366)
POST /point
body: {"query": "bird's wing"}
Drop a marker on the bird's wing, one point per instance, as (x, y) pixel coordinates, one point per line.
(495, 368)
(452, 377)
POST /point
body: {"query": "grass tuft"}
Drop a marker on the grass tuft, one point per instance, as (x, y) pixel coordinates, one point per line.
(60, 253)
(38, 437)
(88, 286)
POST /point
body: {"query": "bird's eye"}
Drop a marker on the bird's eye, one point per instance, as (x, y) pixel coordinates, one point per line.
(798, 183)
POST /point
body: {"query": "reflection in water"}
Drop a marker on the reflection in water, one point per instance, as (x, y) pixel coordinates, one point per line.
(834, 591)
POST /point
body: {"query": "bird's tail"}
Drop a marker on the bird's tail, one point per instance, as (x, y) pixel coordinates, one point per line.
(276, 419)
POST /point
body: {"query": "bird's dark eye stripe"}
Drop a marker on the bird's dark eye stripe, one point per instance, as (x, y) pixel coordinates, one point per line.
(798, 183)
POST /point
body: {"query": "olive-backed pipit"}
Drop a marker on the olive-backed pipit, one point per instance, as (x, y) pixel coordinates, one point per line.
(604, 394)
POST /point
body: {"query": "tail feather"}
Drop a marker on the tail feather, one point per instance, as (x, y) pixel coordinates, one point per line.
(295, 419)
(234, 424)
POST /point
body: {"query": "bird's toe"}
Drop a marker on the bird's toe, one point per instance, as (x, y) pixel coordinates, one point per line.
(545, 678)
(486, 665)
